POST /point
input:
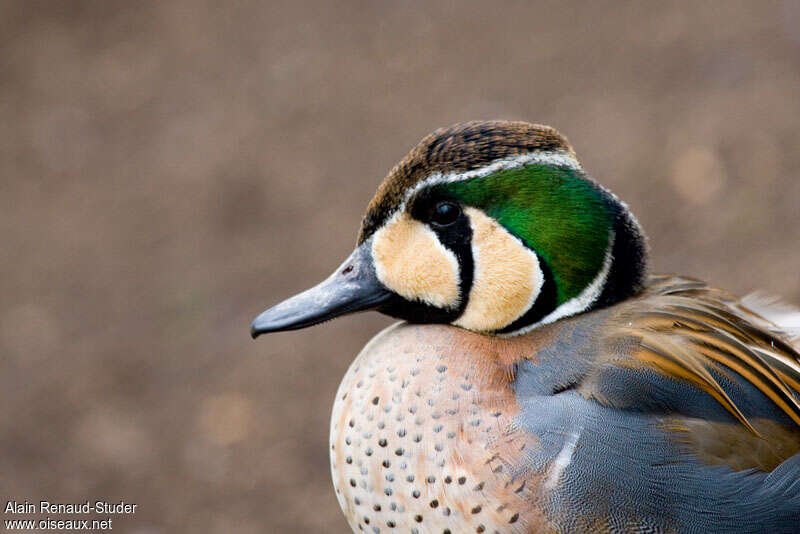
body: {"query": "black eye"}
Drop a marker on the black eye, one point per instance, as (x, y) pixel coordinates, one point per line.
(445, 213)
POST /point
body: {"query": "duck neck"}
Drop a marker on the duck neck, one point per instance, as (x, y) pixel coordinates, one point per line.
(628, 270)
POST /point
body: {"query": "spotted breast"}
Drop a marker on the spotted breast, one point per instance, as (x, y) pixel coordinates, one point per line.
(423, 436)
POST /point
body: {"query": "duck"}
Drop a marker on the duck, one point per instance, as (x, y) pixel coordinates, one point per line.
(541, 379)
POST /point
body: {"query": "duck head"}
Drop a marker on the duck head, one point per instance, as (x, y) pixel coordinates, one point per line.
(489, 226)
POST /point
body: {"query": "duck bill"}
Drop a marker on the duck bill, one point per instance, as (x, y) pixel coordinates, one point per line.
(353, 287)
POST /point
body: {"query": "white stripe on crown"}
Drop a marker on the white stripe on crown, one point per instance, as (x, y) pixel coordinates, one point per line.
(558, 158)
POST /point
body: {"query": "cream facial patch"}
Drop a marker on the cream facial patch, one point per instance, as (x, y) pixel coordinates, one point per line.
(410, 260)
(507, 277)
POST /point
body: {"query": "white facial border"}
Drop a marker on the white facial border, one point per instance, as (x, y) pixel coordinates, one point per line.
(578, 304)
(554, 159)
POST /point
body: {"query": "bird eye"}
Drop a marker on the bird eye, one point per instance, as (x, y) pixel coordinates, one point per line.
(445, 213)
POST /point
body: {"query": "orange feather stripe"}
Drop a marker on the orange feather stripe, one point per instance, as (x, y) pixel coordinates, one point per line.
(698, 336)
(694, 374)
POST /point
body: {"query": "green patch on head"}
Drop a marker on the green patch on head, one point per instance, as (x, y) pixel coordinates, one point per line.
(555, 211)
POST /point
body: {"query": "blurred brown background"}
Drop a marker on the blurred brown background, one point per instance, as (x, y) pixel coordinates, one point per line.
(169, 169)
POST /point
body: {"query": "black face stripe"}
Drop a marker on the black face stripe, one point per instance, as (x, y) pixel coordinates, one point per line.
(456, 237)
(544, 304)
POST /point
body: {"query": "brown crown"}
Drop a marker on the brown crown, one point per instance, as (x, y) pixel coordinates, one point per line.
(458, 148)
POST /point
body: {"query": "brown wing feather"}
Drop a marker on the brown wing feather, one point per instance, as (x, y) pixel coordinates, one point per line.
(686, 330)
(718, 443)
